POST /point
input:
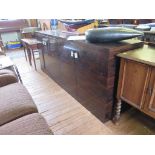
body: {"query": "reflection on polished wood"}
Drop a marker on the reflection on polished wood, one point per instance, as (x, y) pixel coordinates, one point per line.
(67, 116)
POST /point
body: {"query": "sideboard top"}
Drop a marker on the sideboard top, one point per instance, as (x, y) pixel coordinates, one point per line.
(146, 55)
(58, 33)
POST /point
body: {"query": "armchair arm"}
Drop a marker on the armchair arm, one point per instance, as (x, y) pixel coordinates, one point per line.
(7, 77)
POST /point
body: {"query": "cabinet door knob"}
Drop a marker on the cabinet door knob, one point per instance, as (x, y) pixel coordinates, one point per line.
(76, 55)
(72, 54)
(44, 42)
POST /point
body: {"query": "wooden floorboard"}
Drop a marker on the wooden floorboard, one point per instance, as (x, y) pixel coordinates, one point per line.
(65, 115)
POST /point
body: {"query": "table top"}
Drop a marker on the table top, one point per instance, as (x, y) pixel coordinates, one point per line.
(5, 62)
(31, 41)
(146, 55)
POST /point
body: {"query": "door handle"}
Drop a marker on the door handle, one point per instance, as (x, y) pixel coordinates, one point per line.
(72, 54)
(76, 55)
(44, 42)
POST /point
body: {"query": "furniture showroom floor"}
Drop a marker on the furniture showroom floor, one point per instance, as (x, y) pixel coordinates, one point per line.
(67, 116)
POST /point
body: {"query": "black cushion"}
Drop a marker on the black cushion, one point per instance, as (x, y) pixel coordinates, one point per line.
(111, 34)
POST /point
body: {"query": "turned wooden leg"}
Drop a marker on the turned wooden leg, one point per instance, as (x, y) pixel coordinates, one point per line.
(117, 111)
(29, 55)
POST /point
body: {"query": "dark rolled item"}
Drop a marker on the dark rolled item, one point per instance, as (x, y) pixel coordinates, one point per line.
(143, 28)
(111, 34)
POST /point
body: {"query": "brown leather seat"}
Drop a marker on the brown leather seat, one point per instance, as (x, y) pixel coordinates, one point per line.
(33, 124)
(15, 102)
(7, 77)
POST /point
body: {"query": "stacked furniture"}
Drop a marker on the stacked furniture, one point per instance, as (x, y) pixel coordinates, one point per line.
(149, 37)
(28, 32)
(18, 113)
(85, 70)
(10, 29)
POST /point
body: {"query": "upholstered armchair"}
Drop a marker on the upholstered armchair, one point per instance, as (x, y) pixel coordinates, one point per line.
(2, 48)
(7, 77)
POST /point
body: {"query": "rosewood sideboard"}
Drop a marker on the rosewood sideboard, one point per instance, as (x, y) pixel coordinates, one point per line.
(85, 70)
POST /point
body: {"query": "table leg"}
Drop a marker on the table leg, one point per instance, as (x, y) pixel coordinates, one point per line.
(34, 60)
(43, 57)
(29, 56)
(25, 53)
(117, 111)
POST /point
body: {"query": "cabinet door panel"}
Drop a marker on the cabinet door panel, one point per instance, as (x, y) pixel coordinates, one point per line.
(91, 92)
(67, 71)
(135, 78)
(52, 60)
(150, 98)
(88, 75)
(43, 50)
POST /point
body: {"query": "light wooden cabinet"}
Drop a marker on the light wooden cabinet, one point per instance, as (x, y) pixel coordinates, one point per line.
(134, 80)
(136, 85)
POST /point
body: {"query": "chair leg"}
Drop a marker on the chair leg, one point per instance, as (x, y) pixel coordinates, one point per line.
(34, 60)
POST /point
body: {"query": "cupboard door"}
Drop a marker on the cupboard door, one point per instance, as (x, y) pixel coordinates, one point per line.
(90, 90)
(134, 82)
(52, 60)
(149, 106)
(67, 71)
(43, 50)
(87, 75)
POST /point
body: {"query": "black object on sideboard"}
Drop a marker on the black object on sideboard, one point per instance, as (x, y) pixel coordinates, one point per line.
(85, 70)
(149, 37)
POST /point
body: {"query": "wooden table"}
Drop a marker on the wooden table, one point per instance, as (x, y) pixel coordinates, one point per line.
(30, 46)
(136, 84)
(6, 63)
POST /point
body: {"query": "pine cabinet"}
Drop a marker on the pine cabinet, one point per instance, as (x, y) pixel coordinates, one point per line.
(136, 84)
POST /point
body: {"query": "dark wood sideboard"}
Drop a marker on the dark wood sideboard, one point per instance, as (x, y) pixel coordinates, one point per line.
(85, 70)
